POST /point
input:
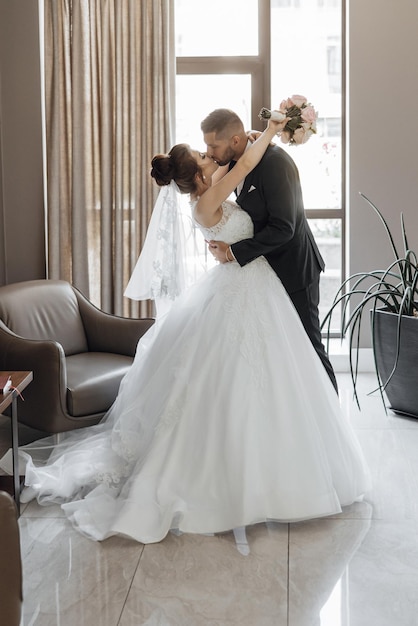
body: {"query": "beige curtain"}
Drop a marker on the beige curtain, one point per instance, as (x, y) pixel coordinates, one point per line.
(109, 91)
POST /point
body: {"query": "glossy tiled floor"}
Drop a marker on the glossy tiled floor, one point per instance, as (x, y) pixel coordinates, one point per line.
(357, 569)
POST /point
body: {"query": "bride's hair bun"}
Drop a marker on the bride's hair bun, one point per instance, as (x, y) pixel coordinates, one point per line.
(179, 165)
(162, 169)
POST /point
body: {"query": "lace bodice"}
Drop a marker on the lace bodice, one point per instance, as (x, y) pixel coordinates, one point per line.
(234, 225)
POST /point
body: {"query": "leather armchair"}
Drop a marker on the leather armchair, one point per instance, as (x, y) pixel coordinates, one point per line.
(10, 563)
(78, 353)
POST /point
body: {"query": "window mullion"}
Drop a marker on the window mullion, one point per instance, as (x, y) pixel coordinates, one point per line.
(212, 65)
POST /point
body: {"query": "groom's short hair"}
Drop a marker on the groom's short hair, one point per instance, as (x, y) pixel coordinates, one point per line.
(222, 122)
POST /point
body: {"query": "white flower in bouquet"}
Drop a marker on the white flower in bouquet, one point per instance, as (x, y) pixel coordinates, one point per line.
(302, 123)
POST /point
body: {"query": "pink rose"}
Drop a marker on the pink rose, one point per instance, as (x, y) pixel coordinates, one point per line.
(308, 114)
(285, 136)
(298, 101)
(299, 135)
(310, 127)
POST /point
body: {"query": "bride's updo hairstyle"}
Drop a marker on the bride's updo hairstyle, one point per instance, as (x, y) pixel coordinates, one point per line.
(178, 165)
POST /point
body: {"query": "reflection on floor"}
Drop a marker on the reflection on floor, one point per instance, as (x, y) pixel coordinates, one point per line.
(356, 569)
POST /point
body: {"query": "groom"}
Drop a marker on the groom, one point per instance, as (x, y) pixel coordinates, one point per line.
(271, 194)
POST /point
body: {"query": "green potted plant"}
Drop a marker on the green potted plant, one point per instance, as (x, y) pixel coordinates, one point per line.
(390, 298)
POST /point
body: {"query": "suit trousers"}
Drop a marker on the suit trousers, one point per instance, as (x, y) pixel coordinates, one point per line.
(306, 303)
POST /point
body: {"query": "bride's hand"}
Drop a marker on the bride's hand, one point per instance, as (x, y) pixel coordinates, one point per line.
(278, 126)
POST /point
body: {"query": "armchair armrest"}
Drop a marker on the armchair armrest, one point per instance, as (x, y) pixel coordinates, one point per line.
(46, 359)
(111, 333)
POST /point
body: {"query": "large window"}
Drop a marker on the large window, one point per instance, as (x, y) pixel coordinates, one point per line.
(246, 54)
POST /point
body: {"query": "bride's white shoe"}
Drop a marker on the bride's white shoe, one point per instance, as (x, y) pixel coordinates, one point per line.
(241, 541)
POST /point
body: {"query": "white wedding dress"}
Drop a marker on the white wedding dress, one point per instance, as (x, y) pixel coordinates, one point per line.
(226, 418)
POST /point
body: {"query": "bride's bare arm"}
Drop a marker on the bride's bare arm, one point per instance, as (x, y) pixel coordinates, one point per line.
(213, 197)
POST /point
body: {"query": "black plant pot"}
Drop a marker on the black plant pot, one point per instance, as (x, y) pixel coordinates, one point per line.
(402, 390)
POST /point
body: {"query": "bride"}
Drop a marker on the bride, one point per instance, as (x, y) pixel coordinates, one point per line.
(226, 418)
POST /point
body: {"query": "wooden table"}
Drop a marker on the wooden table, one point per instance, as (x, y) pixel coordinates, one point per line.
(20, 380)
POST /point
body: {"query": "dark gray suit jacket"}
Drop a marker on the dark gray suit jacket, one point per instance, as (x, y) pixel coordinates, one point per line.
(281, 230)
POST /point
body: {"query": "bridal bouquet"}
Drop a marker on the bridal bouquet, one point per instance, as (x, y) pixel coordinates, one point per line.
(302, 123)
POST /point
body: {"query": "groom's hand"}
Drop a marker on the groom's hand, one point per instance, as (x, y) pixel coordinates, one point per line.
(218, 250)
(252, 135)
